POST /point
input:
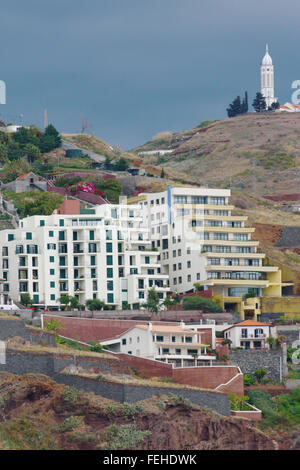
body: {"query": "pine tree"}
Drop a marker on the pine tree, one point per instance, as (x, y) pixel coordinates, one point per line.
(259, 103)
(245, 103)
(162, 175)
(235, 107)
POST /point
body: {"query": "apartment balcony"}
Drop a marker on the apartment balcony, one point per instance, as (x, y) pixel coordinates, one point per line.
(253, 337)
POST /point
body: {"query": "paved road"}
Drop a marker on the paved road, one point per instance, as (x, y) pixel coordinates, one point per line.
(95, 156)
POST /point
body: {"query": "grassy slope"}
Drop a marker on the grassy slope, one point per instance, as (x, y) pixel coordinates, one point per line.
(236, 149)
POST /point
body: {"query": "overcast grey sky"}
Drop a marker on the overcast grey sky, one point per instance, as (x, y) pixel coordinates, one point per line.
(138, 67)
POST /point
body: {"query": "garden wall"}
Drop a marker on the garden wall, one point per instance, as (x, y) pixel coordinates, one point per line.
(251, 360)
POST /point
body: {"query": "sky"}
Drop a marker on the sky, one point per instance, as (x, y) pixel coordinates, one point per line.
(134, 68)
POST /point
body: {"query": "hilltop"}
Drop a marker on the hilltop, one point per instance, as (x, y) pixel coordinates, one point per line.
(246, 152)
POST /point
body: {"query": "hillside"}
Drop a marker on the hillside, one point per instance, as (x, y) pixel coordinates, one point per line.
(36, 413)
(245, 152)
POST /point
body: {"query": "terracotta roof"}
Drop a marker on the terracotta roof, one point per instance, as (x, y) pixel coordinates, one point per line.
(249, 323)
(21, 177)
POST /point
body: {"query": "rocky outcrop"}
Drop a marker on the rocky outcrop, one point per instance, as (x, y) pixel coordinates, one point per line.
(37, 413)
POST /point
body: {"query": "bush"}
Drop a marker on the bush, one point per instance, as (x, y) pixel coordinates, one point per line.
(130, 409)
(125, 437)
(264, 402)
(259, 374)
(69, 424)
(248, 380)
(201, 303)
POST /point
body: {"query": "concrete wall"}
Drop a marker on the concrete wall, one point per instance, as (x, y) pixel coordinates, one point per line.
(14, 327)
(20, 362)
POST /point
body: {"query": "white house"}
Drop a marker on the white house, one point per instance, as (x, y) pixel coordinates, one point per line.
(179, 343)
(250, 334)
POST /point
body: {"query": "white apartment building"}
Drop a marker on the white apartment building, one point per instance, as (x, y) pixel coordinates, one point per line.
(250, 334)
(102, 253)
(201, 241)
(179, 343)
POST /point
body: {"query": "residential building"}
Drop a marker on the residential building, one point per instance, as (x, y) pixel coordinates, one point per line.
(27, 182)
(102, 253)
(179, 344)
(250, 334)
(200, 240)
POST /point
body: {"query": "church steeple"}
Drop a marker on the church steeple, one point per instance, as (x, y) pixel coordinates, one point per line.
(267, 78)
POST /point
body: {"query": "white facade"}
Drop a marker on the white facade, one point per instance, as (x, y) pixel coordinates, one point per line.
(105, 254)
(168, 343)
(200, 241)
(267, 78)
(250, 334)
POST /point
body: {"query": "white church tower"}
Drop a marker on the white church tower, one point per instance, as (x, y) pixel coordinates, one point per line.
(267, 78)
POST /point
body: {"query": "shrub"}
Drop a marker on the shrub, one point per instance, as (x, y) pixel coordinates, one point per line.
(201, 303)
(264, 402)
(101, 378)
(69, 424)
(259, 374)
(238, 403)
(248, 380)
(71, 395)
(130, 409)
(179, 399)
(125, 437)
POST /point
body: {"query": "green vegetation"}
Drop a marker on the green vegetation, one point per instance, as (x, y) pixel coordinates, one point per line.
(71, 396)
(238, 403)
(34, 202)
(205, 123)
(248, 379)
(238, 107)
(153, 301)
(179, 400)
(280, 411)
(53, 325)
(26, 300)
(201, 303)
(120, 165)
(69, 424)
(124, 437)
(95, 304)
(259, 103)
(131, 410)
(280, 160)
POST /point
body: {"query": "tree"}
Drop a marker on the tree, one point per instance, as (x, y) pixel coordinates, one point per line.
(235, 107)
(244, 107)
(162, 174)
(26, 300)
(121, 165)
(69, 301)
(14, 168)
(95, 304)
(153, 301)
(32, 152)
(274, 105)
(259, 374)
(53, 325)
(259, 103)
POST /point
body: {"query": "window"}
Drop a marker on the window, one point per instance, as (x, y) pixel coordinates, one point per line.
(109, 247)
(110, 298)
(93, 260)
(92, 234)
(52, 284)
(10, 237)
(51, 246)
(109, 272)
(159, 338)
(108, 235)
(51, 259)
(147, 260)
(51, 233)
(52, 272)
(42, 223)
(61, 222)
(180, 199)
(189, 278)
(221, 236)
(110, 285)
(52, 296)
(28, 236)
(199, 199)
(188, 264)
(109, 260)
(61, 235)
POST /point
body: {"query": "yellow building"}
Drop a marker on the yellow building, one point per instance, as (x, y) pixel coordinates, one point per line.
(201, 241)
